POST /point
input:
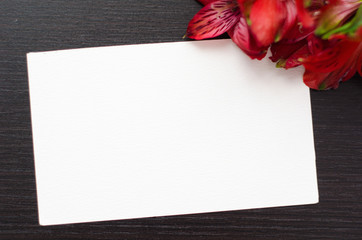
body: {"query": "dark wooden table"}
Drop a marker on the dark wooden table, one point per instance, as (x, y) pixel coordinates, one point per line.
(39, 25)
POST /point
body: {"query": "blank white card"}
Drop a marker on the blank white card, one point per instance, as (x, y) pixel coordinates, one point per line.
(166, 129)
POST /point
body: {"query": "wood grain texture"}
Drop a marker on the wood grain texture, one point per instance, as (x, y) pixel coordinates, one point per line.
(39, 25)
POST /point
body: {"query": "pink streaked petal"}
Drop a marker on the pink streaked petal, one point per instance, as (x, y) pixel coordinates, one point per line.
(266, 16)
(213, 20)
(243, 38)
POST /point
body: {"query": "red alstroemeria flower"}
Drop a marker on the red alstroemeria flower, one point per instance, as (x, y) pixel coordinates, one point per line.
(338, 55)
(332, 61)
(324, 36)
(295, 44)
(252, 24)
(216, 18)
(221, 16)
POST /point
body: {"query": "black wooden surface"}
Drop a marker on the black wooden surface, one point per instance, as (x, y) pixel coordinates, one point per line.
(39, 25)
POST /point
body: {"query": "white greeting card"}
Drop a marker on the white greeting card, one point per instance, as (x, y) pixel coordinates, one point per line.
(165, 129)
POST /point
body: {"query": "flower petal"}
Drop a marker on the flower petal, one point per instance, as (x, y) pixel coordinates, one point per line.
(213, 20)
(303, 15)
(294, 59)
(242, 36)
(296, 33)
(336, 14)
(288, 55)
(319, 81)
(266, 18)
(333, 56)
(324, 81)
(245, 6)
(359, 59)
(290, 19)
(320, 75)
(205, 2)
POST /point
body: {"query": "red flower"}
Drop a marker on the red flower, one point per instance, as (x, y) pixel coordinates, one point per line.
(338, 55)
(252, 24)
(324, 36)
(216, 18)
(331, 62)
(295, 44)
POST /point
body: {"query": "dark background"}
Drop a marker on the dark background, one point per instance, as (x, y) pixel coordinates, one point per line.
(39, 25)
